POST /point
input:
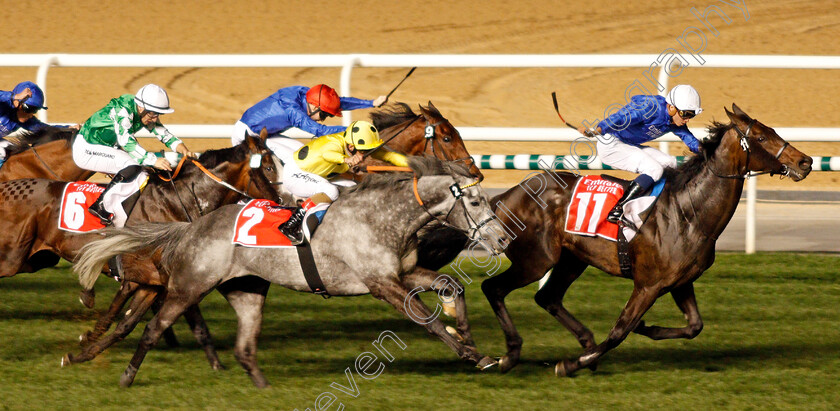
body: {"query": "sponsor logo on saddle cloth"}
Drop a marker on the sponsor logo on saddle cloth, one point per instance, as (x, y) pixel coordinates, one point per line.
(257, 225)
(592, 201)
(75, 201)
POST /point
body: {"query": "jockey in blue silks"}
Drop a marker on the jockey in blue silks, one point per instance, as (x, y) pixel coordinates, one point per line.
(17, 111)
(646, 118)
(300, 107)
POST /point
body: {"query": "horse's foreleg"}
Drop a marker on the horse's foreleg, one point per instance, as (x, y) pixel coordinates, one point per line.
(247, 296)
(202, 335)
(139, 306)
(550, 297)
(640, 301)
(408, 303)
(496, 288)
(450, 292)
(171, 309)
(684, 297)
(127, 289)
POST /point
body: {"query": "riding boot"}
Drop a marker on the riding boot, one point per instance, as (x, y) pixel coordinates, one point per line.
(98, 208)
(293, 227)
(632, 191)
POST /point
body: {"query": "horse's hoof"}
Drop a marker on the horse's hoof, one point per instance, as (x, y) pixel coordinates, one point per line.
(217, 366)
(87, 298)
(564, 368)
(486, 363)
(449, 309)
(593, 367)
(506, 364)
(65, 361)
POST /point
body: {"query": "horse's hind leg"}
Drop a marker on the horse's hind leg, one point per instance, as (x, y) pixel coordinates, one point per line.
(202, 335)
(640, 301)
(550, 297)
(143, 299)
(247, 296)
(397, 294)
(172, 308)
(449, 289)
(684, 297)
(168, 334)
(127, 289)
(496, 288)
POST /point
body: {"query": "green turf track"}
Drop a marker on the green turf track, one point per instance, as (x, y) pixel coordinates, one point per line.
(771, 341)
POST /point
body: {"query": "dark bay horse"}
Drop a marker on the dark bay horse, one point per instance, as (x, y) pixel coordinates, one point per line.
(354, 255)
(46, 153)
(413, 134)
(673, 248)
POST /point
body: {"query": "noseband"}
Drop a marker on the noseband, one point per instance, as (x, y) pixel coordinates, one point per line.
(457, 192)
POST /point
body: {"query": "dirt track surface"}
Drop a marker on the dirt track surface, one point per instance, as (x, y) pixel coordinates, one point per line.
(467, 97)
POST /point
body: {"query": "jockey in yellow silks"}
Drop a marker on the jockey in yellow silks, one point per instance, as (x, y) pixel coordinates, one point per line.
(312, 169)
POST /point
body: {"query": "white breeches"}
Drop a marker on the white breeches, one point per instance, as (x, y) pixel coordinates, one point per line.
(640, 160)
(109, 160)
(303, 184)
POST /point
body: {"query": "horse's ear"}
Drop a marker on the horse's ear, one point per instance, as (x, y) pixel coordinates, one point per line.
(737, 110)
(729, 114)
(263, 134)
(424, 111)
(432, 106)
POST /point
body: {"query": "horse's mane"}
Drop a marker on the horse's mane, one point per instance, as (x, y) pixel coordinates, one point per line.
(23, 141)
(680, 176)
(212, 158)
(394, 114)
(420, 165)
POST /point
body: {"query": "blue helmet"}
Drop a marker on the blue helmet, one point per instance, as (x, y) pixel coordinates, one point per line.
(37, 98)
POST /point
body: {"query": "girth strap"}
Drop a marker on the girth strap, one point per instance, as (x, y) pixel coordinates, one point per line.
(310, 270)
(625, 261)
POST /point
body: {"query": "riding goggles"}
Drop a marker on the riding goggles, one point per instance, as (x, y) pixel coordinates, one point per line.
(686, 114)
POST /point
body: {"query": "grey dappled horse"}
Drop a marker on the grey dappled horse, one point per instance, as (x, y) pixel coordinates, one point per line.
(366, 244)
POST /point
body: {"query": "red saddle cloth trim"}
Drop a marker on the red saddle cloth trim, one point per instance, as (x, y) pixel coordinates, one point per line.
(257, 225)
(73, 215)
(592, 200)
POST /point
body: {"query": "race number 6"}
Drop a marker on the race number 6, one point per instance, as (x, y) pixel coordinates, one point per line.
(255, 215)
(74, 211)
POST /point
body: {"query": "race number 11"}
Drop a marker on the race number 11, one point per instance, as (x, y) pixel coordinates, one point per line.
(583, 206)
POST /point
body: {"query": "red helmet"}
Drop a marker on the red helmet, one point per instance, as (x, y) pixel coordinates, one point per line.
(325, 98)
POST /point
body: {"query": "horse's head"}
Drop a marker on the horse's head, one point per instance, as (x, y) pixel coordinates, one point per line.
(427, 133)
(763, 150)
(460, 202)
(263, 170)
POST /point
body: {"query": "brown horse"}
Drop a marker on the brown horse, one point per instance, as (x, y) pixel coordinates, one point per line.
(46, 153)
(671, 250)
(403, 130)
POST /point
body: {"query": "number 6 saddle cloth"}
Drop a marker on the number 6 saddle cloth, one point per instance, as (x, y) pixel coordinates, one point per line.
(73, 215)
(593, 198)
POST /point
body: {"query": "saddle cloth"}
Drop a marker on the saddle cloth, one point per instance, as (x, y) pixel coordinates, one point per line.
(73, 215)
(257, 225)
(593, 198)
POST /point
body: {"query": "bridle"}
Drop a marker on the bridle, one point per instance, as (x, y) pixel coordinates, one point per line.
(457, 192)
(430, 135)
(255, 163)
(744, 137)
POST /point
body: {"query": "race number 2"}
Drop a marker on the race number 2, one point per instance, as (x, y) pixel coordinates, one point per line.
(255, 216)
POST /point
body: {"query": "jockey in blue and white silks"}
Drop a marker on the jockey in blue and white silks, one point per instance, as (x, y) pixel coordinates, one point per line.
(296, 106)
(646, 118)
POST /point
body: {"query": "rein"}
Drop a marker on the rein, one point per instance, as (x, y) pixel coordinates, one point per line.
(44, 162)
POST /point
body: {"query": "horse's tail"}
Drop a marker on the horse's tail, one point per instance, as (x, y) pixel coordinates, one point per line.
(148, 236)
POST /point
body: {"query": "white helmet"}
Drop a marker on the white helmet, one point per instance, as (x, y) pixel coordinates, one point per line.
(684, 97)
(153, 98)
